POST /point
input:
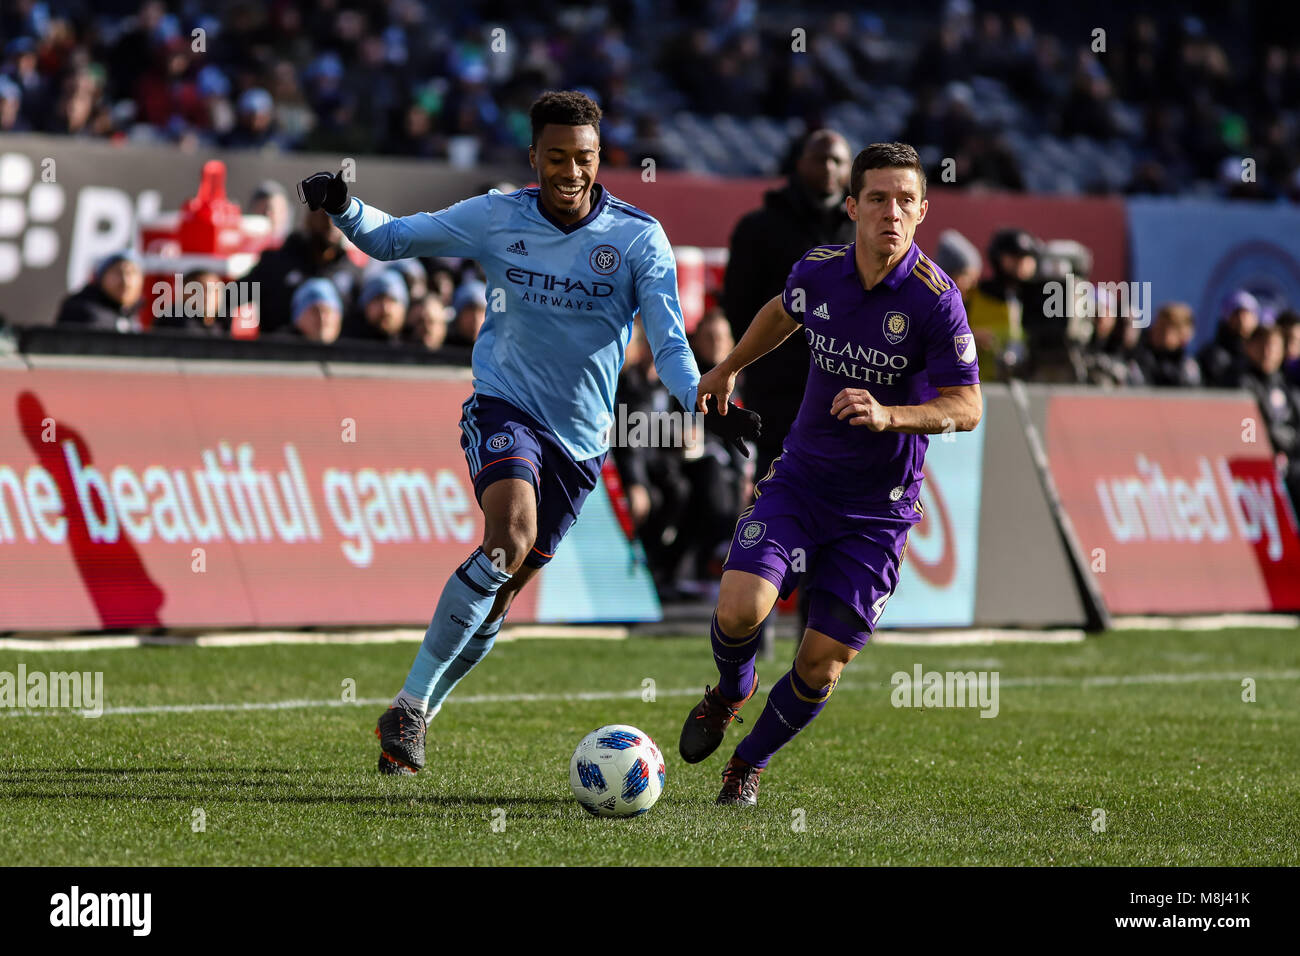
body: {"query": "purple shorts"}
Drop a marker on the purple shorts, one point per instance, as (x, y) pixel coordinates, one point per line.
(501, 441)
(846, 558)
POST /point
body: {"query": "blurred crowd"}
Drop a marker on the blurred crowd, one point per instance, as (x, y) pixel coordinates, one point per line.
(1029, 325)
(307, 288)
(1181, 99)
(682, 498)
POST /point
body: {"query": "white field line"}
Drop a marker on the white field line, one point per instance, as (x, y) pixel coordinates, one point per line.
(1207, 622)
(947, 638)
(985, 635)
(1116, 680)
(264, 638)
(939, 638)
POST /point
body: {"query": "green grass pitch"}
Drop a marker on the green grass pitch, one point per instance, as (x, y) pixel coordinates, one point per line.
(1150, 727)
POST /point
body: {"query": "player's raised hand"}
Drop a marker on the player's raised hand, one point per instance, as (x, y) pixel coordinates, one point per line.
(718, 382)
(857, 405)
(325, 191)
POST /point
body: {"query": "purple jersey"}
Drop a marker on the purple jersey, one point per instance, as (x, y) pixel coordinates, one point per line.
(899, 340)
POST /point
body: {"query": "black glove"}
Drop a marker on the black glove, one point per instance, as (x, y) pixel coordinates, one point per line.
(737, 426)
(325, 191)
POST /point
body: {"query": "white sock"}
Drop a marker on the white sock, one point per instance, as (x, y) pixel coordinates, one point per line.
(414, 703)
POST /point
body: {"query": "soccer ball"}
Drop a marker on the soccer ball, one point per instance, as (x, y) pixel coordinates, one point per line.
(617, 771)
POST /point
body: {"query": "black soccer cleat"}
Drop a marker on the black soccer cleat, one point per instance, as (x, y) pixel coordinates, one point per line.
(390, 767)
(739, 784)
(401, 735)
(707, 723)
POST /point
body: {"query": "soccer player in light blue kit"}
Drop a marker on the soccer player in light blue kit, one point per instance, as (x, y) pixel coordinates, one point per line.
(568, 266)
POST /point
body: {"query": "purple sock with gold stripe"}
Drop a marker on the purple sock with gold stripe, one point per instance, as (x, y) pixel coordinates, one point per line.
(735, 659)
(791, 706)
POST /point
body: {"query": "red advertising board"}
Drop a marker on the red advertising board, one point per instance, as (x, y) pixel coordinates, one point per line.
(139, 499)
(1176, 502)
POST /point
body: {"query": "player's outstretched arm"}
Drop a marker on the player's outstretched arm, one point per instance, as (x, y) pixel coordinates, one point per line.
(957, 408)
(454, 231)
(771, 326)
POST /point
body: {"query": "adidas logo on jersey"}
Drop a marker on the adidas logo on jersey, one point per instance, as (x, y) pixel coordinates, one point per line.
(517, 247)
(822, 312)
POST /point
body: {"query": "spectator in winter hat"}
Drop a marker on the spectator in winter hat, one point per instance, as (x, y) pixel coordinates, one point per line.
(426, 322)
(11, 101)
(1223, 360)
(199, 306)
(109, 300)
(1280, 405)
(957, 256)
(1161, 355)
(317, 311)
(381, 309)
(417, 279)
(255, 123)
(470, 308)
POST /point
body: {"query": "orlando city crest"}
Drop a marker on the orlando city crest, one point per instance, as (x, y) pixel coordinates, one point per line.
(895, 327)
(752, 533)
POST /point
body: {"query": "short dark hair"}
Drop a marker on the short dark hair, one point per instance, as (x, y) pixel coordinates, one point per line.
(885, 156)
(564, 108)
(1263, 332)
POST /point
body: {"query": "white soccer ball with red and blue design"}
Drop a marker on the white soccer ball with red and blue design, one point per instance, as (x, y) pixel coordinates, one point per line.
(617, 771)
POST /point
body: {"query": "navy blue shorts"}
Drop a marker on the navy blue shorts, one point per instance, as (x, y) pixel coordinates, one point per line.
(501, 441)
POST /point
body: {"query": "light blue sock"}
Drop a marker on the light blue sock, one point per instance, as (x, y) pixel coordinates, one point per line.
(465, 602)
(475, 649)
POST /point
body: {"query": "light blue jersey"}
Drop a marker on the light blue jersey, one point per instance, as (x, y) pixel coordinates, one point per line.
(560, 300)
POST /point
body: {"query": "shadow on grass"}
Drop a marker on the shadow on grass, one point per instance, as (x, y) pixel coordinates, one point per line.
(38, 772)
(195, 785)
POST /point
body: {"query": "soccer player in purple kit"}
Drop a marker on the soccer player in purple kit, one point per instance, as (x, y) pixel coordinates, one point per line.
(892, 361)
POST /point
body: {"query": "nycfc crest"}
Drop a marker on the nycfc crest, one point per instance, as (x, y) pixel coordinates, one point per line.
(895, 327)
(752, 533)
(501, 441)
(604, 260)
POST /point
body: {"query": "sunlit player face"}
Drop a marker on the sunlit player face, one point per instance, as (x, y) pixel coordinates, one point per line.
(887, 211)
(566, 159)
